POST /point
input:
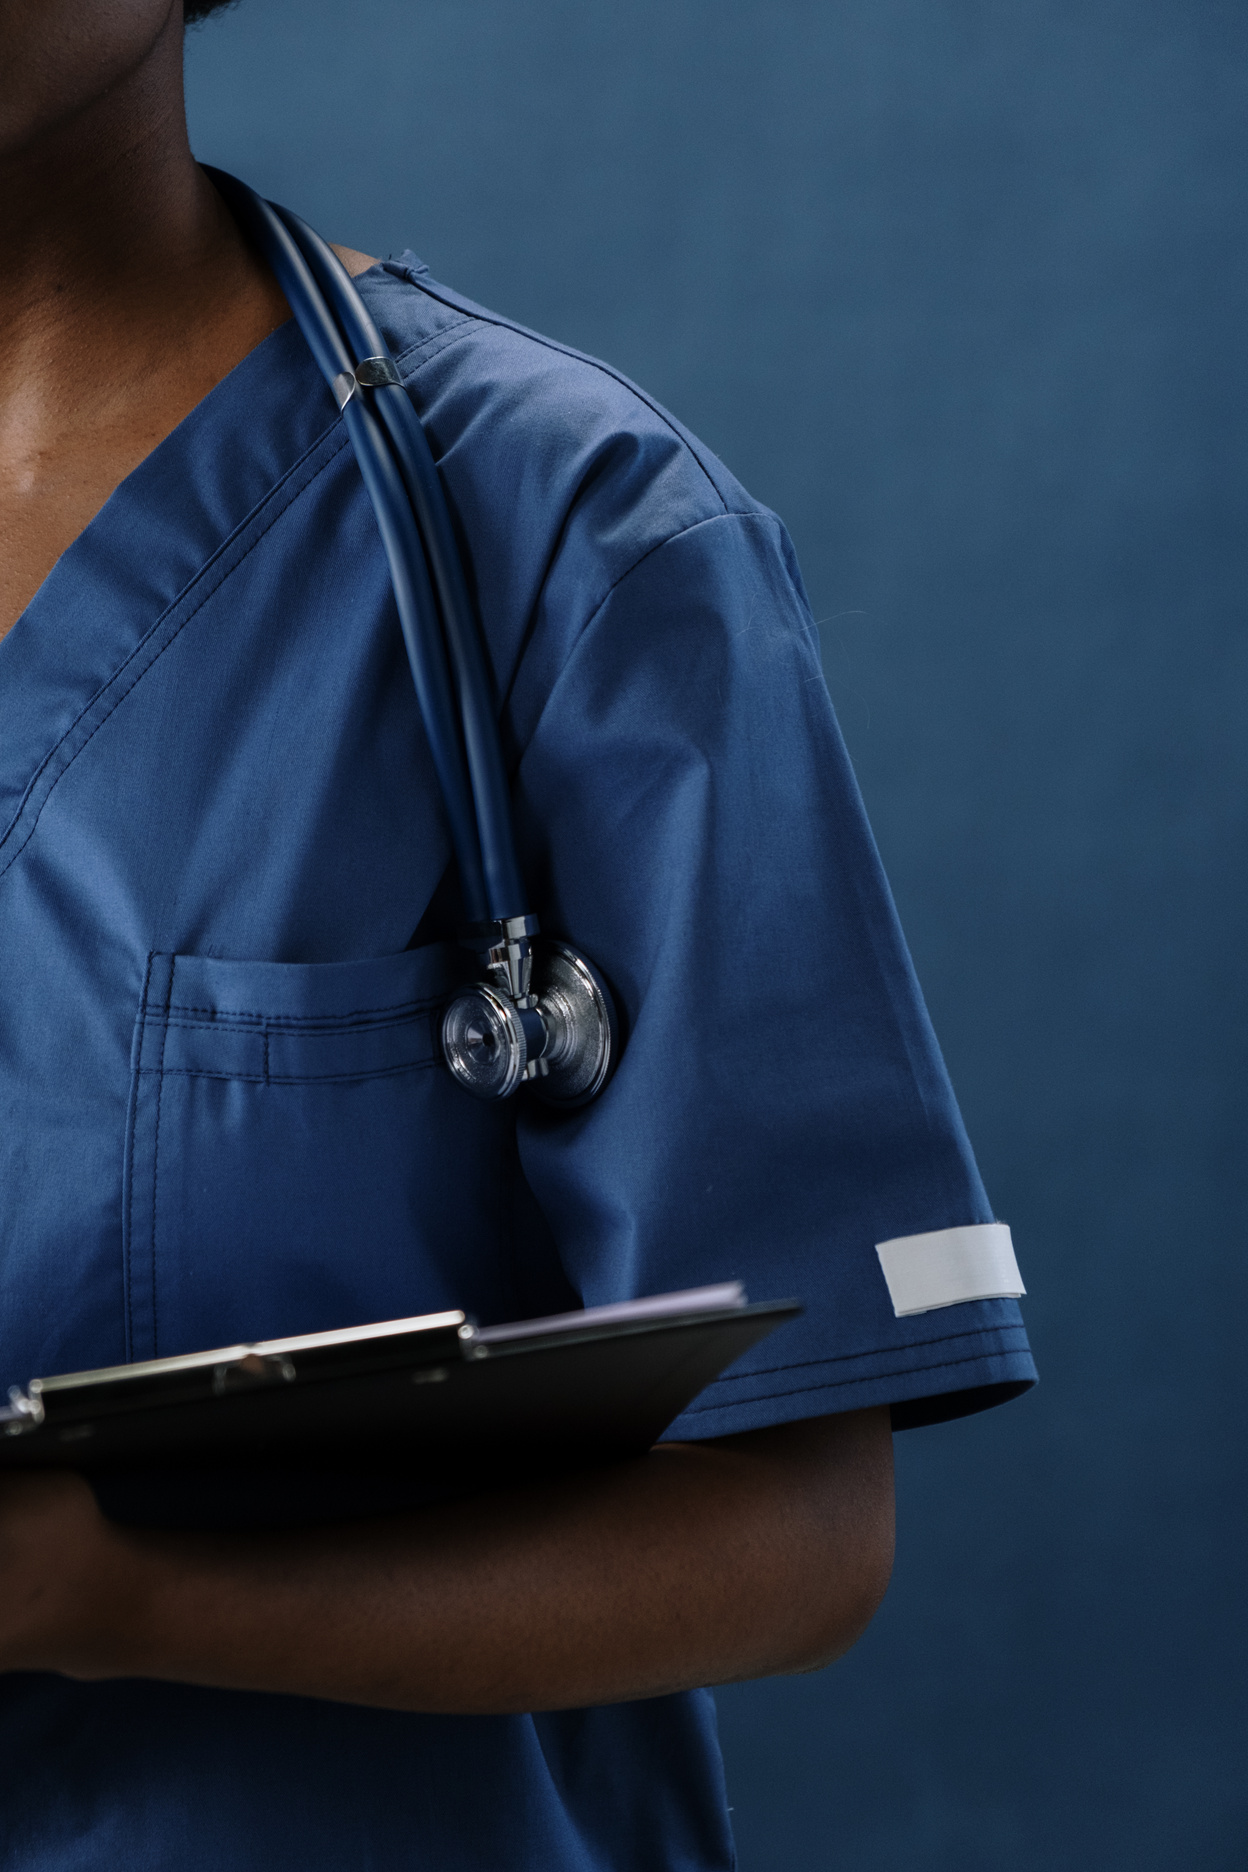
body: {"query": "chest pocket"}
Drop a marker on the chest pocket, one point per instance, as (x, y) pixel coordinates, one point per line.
(297, 1156)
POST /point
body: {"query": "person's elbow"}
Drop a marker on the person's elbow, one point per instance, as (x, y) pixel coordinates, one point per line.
(829, 1557)
(842, 1589)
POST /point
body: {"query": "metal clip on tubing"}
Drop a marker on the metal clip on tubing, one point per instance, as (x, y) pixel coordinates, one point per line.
(396, 522)
(470, 675)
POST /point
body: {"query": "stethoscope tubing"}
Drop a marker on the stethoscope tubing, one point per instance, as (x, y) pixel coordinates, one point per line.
(469, 671)
(396, 522)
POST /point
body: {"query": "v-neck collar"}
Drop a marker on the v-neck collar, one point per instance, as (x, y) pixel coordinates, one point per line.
(150, 541)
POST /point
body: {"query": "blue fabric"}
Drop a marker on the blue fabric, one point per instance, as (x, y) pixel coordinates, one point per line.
(225, 912)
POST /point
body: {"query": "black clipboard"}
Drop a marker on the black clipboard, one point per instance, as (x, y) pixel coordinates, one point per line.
(375, 1418)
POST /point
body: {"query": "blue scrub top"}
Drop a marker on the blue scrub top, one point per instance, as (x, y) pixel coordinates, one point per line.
(225, 904)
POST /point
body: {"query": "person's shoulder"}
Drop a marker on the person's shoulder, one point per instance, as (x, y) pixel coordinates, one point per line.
(564, 478)
(549, 410)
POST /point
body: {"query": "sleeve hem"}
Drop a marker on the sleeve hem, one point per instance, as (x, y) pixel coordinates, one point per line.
(928, 1391)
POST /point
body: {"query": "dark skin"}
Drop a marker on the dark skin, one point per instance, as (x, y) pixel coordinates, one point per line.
(126, 292)
(125, 295)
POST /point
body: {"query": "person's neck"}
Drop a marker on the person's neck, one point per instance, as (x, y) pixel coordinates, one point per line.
(126, 294)
(115, 245)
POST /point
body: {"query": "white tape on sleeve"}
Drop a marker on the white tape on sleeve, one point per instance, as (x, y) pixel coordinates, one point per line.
(950, 1266)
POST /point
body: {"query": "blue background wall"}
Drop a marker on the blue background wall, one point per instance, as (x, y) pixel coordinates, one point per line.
(959, 286)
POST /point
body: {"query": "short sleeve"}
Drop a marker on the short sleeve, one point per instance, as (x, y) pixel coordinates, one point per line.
(781, 1107)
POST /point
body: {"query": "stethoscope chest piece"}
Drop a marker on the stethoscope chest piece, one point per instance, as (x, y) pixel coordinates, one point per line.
(559, 1038)
(484, 1043)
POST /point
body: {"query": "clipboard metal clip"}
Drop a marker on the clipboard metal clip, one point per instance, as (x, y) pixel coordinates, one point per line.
(26, 1409)
(252, 1369)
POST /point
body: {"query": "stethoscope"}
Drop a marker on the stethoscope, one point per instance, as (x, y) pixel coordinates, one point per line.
(542, 1015)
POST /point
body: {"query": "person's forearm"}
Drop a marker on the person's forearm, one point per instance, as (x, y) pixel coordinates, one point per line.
(695, 1565)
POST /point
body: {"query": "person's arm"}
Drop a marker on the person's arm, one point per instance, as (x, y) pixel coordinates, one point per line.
(700, 1563)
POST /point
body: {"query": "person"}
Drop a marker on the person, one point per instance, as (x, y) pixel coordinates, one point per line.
(227, 913)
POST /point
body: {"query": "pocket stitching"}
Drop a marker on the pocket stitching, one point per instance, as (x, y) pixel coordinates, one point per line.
(278, 1079)
(164, 1041)
(131, 1125)
(413, 1008)
(305, 1024)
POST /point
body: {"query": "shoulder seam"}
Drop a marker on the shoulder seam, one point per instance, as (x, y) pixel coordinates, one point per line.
(433, 346)
(482, 317)
(670, 539)
(729, 513)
